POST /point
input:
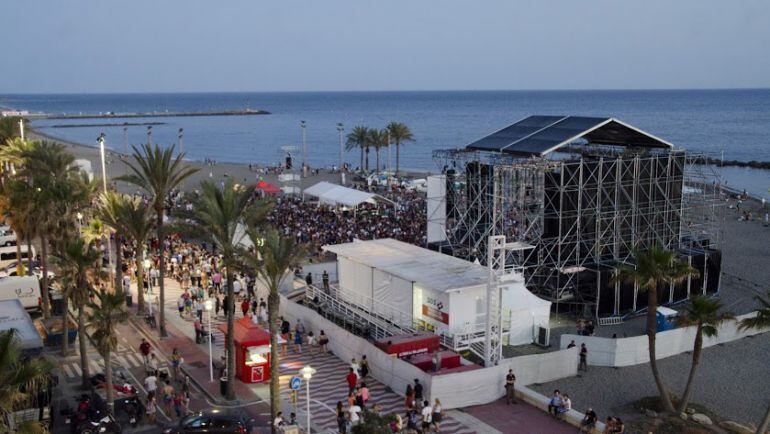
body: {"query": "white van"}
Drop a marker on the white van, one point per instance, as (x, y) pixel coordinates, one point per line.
(7, 238)
(26, 289)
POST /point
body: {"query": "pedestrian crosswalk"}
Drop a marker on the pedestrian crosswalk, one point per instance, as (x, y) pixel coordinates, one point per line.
(74, 368)
(328, 387)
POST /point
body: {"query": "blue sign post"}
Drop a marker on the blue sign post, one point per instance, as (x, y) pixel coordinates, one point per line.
(295, 383)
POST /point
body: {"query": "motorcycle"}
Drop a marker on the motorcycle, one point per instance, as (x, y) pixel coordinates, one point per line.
(90, 417)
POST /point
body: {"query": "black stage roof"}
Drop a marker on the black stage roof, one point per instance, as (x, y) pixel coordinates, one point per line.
(540, 135)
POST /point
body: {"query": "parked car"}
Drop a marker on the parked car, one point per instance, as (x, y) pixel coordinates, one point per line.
(214, 421)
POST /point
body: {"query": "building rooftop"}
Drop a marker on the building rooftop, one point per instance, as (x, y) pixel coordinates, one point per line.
(540, 135)
(427, 268)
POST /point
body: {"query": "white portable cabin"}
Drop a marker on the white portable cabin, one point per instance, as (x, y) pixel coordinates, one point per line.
(391, 278)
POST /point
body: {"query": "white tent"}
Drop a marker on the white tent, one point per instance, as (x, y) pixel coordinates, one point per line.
(528, 311)
(334, 194)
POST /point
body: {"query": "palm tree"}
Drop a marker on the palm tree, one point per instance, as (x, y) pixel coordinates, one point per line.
(654, 267)
(378, 139)
(157, 172)
(130, 217)
(760, 321)
(77, 261)
(703, 313)
(20, 380)
(359, 138)
(104, 316)
(219, 218)
(399, 133)
(9, 128)
(277, 255)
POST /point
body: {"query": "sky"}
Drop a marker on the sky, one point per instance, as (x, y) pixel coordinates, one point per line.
(97, 46)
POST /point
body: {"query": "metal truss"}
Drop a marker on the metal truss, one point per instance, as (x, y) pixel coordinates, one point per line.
(587, 211)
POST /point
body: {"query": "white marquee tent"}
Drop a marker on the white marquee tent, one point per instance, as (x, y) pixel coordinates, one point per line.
(334, 194)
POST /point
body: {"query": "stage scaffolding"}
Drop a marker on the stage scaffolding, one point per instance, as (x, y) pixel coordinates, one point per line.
(584, 210)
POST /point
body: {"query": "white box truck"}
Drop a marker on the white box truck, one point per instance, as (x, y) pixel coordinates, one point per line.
(26, 289)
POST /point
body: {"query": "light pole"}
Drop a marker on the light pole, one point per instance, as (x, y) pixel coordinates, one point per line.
(149, 135)
(209, 305)
(125, 146)
(147, 265)
(181, 134)
(307, 373)
(302, 130)
(21, 128)
(341, 130)
(100, 139)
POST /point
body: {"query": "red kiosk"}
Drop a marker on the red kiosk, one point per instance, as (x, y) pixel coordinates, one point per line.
(252, 350)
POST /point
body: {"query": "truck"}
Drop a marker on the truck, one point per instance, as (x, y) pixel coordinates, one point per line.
(26, 289)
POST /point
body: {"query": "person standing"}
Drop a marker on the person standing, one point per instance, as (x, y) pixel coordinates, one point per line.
(363, 367)
(309, 278)
(437, 415)
(426, 416)
(510, 390)
(352, 380)
(325, 279)
(151, 408)
(144, 348)
(583, 365)
(417, 390)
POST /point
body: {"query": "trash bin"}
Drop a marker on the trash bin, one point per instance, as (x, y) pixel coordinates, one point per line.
(129, 300)
(223, 385)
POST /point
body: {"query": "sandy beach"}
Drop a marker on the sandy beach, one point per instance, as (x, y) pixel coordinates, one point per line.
(240, 173)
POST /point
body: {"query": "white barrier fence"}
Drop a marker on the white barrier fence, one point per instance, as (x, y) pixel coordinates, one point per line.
(635, 350)
(455, 390)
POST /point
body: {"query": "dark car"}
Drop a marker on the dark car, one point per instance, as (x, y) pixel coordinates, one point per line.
(214, 421)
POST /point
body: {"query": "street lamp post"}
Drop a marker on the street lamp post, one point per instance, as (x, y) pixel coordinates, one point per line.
(307, 373)
(302, 129)
(341, 130)
(209, 305)
(100, 139)
(125, 147)
(21, 128)
(181, 135)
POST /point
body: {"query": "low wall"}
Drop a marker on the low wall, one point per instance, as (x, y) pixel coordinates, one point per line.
(455, 390)
(572, 417)
(635, 351)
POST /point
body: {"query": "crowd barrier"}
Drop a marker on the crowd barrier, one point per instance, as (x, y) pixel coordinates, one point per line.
(635, 350)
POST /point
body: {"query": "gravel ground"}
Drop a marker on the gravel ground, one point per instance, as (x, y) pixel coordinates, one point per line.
(733, 381)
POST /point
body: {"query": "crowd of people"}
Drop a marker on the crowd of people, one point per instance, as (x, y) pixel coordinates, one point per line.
(317, 225)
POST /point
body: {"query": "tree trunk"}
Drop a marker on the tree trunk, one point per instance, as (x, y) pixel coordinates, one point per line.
(108, 377)
(19, 267)
(30, 256)
(367, 160)
(139, 281)
(696, 352)
(44, 279)
(162, 274)
(229, 344)
(652, 302)
(65, 342)
(361, 166)
(765, 422)
(273, 306)
(119, 264)
(82, 342)
(398, 148)
(377, 153)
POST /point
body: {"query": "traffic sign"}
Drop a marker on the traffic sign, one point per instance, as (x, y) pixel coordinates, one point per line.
(295, 383)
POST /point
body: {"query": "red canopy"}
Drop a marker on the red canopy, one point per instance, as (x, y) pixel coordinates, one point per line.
(246, 333)
(267, 187)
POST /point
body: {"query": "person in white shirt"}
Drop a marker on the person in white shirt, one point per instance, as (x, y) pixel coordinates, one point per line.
(427, 416)
(151, 383)
(126, 283)
(278, 422)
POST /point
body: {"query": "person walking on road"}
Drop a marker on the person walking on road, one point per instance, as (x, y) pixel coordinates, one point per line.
(510, 390)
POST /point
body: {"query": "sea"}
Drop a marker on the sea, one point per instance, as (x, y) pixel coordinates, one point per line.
(734, 124)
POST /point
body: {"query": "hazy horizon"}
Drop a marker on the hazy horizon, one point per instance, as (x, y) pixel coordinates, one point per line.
(86, 46)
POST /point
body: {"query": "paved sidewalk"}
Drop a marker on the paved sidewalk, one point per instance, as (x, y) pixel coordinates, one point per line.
(518, 419)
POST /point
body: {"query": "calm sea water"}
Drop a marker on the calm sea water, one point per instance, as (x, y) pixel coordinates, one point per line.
(736, 122)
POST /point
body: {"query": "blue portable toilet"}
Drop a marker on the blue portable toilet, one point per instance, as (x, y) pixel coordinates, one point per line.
(665, 319)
